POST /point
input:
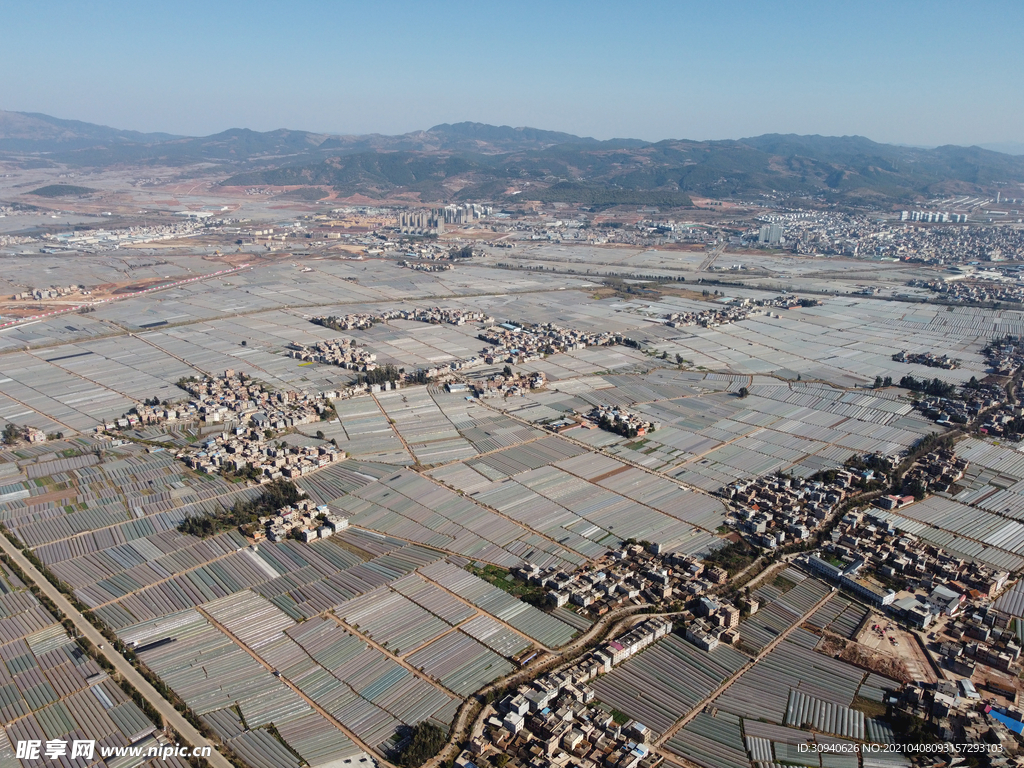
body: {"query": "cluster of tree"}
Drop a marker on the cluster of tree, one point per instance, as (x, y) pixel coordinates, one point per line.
(11, 434)
(622, 287)
(419, 377)
(880, 382)
(248, 472)
(732, 557)
(936, 387)
(273, 497)
(915, 488)
(425, 741)
(465, 252)
(379, 375)
(61, 190)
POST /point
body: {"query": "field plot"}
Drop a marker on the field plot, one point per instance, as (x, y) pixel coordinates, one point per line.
(424, 427)
(586, 502)
(847, 341)
(759, 630)
(392, 620)
(794, 682)
(181, 648)
(50, 688)
(839, 616)
(460, 663)
(707, 436)
(540, 627)
(437, 647)
(665, 681)
(993, 478)
(411, 507)
(132, 565)
(712, 741)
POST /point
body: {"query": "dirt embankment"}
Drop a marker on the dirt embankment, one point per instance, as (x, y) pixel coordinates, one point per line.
(861, 656)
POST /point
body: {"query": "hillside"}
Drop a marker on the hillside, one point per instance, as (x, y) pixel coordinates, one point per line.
(34, 132)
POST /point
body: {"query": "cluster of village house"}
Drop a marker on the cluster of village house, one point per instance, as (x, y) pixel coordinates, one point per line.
(553, 721)
(1002, 418)
(343, 352)
(1004, 356)
(33, 435)
(734, 312)
(53, 292)
(632, 575)
(866, 540)
(926, 358)
(965, 408)
(362, 320)
(515, 343)
(972, 641)
(248, 449)
(708, 318)
(959, 716)
(250, 414)
(936, 471)
(427, 266)
(775, 509)
(303, 519)
(975, 292)
(233, 397)
(621, 421)
(502, 385)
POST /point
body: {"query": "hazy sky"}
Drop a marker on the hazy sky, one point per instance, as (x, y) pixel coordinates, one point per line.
(905, 72)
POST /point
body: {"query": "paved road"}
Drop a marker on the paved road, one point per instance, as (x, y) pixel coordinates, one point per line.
(127, 671)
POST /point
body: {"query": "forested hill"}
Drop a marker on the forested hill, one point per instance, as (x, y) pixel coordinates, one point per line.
(849, 168)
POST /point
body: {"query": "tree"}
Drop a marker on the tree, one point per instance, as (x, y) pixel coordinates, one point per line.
(273, 496)
(743, 392)
(917, 489)
(679, 359)
(878, 382)
(11, 434)
(319, 434)
(507, 370)
(425, 741)
(664, 355)
(379, 375)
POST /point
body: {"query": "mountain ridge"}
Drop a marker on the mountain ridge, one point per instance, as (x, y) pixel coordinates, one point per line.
(464, 160)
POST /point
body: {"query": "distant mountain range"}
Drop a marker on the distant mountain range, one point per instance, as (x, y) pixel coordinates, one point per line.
(479, 161)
